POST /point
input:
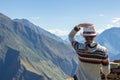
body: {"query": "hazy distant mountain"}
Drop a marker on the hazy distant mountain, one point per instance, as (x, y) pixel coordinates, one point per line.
(110, 38)
(77, 37)
(28, 52)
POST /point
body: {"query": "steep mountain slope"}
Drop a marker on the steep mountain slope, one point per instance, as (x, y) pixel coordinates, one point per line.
(37, 29)
(110, 39)
(27, 50)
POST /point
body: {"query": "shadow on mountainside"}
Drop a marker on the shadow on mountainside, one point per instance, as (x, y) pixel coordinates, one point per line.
(11, 69)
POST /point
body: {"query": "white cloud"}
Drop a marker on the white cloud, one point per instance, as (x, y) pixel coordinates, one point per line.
(59, 32)
(116, 22)
(108, 26)
(101, 15)
(100, 31)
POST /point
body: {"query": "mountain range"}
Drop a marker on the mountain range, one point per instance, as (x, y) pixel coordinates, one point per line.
(110, 39)
(28, 52)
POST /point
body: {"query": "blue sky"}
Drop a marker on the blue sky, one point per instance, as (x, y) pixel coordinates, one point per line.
(60, 16)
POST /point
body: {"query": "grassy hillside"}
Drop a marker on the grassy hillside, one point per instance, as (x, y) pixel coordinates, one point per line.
(39, 54)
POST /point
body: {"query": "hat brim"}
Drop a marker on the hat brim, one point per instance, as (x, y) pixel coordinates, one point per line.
(88, 34)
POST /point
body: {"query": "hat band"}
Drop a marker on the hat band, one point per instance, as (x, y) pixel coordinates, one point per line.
(89, 32)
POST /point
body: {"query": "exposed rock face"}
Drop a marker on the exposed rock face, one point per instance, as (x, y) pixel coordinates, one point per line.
(28, 52)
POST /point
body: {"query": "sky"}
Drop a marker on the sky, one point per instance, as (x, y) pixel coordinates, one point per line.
(60, 16)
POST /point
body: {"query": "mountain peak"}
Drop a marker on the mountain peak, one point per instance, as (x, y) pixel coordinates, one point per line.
(112, 29)
(4, 19)
(110, 39)
(4, 16)
(37, 29)
(25, 22)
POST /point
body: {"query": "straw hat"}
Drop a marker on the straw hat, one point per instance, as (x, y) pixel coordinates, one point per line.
(89, 31)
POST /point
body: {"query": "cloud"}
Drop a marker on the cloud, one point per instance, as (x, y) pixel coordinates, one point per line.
(116, 22)
(109, 26)
(100, 31)
(59, 32)
(101, 15)
(105, 27)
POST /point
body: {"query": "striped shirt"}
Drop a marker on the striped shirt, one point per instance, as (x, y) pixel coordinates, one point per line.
(92, 58)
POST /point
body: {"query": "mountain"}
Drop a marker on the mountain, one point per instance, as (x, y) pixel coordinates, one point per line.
(110, 39)
(77, 37)
(37, 29)
(28, 52)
